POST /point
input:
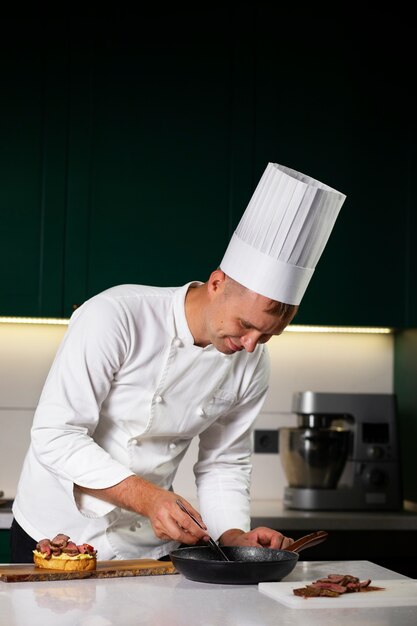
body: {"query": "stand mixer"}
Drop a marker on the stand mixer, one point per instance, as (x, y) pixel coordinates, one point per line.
(344, 453)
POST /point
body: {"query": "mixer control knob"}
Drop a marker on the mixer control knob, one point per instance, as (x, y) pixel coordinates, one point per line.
(375, 452)
(375, 478)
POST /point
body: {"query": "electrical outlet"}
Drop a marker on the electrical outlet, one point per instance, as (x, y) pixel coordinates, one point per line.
(266, 441)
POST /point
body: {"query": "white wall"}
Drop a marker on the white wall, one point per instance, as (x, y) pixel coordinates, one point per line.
(26, 354)
(305, 361)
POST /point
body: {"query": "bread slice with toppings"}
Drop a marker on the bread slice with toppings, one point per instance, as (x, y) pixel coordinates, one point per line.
(60, 553)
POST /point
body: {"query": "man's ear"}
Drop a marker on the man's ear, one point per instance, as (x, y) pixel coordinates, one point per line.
(216, 282)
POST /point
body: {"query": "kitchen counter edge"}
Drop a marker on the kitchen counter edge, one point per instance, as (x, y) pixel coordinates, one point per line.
(273, 514)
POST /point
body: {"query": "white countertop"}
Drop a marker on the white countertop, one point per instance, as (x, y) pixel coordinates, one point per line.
(176, 601)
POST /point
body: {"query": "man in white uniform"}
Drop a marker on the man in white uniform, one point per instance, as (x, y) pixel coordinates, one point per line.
(143, 370)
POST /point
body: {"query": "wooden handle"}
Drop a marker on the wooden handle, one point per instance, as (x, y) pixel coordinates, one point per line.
(308, 541)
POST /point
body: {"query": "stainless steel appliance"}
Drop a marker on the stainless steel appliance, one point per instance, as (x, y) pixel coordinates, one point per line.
(343, 454)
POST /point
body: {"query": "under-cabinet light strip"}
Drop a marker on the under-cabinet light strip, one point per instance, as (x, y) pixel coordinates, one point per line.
(292, 328)
(34, 320)
(339, 329)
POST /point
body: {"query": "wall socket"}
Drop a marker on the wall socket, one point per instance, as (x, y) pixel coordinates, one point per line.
(266, 441)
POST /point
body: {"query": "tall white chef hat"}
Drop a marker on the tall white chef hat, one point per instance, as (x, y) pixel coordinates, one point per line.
(282, 234)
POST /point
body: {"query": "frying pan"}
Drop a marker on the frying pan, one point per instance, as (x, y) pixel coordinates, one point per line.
(248, 565)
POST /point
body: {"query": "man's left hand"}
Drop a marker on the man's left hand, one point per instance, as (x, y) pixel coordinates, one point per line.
(262, 537)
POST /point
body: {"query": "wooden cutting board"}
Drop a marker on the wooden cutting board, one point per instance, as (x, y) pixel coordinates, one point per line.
(25, 572)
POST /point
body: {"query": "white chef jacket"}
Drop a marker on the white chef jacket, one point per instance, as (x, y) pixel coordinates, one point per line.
(127, 392)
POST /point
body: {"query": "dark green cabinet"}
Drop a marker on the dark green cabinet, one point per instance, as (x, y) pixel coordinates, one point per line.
(32, 170)
(130, 150)
(149, 156)
(393, 549)
(334, 101)
(4, 546)
(131, 160)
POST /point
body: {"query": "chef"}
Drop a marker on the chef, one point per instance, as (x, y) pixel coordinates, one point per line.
(143, 370)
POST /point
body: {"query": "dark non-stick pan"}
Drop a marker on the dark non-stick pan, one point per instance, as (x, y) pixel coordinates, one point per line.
(248, 565)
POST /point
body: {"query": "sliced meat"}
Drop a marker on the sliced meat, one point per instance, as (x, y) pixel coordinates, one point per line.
(335, 585)
(71, 549)
(44, 546)
(333, 578)
(315, 592)
(350, 580)
(328, 593)
(61, 544)
(60, 541)
(85, 548)
(340, 579)
(332, 586)
(307, 592)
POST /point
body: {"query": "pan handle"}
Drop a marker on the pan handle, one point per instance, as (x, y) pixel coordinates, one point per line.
(308, 541)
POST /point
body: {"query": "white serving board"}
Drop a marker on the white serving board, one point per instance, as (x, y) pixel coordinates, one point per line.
(400, 592)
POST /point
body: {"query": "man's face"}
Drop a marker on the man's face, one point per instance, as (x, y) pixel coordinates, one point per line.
(237, 319)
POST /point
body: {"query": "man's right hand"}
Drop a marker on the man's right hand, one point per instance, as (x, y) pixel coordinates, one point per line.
(168, 521)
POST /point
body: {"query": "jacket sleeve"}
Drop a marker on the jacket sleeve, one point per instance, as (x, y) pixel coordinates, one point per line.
(223, 469)
(80, 378)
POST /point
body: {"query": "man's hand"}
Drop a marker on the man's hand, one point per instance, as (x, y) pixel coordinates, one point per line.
(159, 505)
(169, 521)
(261, 537)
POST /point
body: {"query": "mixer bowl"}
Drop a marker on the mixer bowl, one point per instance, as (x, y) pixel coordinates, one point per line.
(313, 457)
